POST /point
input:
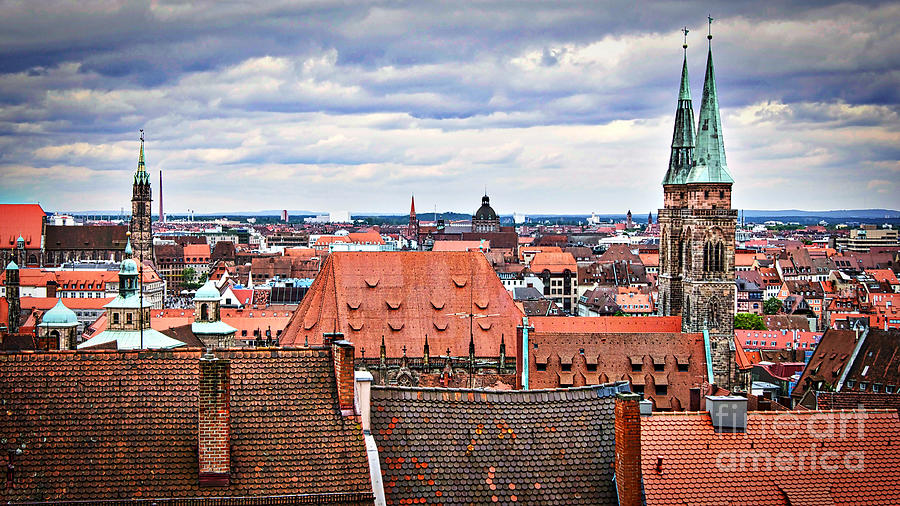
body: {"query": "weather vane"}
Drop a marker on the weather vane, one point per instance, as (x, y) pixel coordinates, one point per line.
(142, 135)
(709, 33)
(685, 31)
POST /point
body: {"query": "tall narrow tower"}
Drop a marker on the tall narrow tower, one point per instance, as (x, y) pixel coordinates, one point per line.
(162, 213)
(681, 159)
(412, 230)
(698, 226)
(140, 227)
(12, 298)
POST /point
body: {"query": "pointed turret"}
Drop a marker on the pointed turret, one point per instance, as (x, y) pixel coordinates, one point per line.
(710, 152)
(141, 176)
(682, 155)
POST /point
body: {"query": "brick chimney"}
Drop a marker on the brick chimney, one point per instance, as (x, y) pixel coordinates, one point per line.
(215, 422)
(342, 351)
(628, 449)
(364, 399)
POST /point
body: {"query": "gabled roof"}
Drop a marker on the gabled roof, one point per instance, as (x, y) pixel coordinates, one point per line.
(826, 365)
(24, 220)
(403, 296)
(87, 237)
(684, 460)
(89, 432)
(479, 447)
(555, 263)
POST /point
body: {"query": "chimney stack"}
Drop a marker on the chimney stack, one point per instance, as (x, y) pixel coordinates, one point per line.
(342, 351)
(215, 422)
(727, 412)
(628, 449)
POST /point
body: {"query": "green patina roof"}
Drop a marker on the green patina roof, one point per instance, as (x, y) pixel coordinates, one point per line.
(207, 292)
(681, 156)
(131, 340)
(711, 166)
(128, 265)
(59, 316)
(131, 301)
(141, 176)
(216, 328)
(12, 266)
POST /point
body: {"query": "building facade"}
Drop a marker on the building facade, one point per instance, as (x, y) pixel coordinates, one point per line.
(698, 225)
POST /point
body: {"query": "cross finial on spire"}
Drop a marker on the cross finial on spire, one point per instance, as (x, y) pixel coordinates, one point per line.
(709, 27)
(685, 31)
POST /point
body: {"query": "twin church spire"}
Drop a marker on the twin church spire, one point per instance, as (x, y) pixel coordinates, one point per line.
(698, 158)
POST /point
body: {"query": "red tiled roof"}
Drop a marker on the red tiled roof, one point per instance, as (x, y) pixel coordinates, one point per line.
(26, 220)
(196, 251)
(616, 356)
(89, 431)
(44, 303)
(582, 324)
(701, 466)
(403, 296)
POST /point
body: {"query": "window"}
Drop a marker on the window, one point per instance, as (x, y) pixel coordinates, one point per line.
(115, 318)
(128, 318)
(721, 194)
(863, 385)
(636, 367)
(706, 194)
(662, 389)
(659, 367)
(565, 367)
(638, 389)
(876, 387)
(682, 368)
(540, 366)
(591, 367)
(889, 389)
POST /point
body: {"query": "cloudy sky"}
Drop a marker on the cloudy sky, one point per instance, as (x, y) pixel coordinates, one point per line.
(559, 107)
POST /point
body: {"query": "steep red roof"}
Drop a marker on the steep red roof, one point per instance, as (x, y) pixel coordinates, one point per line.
(122, 425)
(582, 324)
(403, 296)
(684, 460)
(26, 220)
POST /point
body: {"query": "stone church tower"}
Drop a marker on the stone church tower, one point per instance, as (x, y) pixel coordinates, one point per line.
(140, 227)
(697, 226)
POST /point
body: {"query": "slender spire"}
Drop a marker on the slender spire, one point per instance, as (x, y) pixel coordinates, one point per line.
(141, 176)
(682, 155)
(412, 208)
(711, 166)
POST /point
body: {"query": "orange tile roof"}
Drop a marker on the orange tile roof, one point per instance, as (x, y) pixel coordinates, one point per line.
(461, 245)
(582, 324)
(883, 276)
(73, 279)
(649, 259)
(403, 296)
(555, 263)
(26, 220)
(196, 250)
(45, 303)
(782, 458)
(304, 253)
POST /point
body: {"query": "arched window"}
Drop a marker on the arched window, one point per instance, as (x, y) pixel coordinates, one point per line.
(688, 260)
(706, 266)
(204, 312)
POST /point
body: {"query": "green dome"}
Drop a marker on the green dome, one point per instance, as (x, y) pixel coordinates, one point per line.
(207, 292)
(128, 266)
(59, 315)
(12, 266)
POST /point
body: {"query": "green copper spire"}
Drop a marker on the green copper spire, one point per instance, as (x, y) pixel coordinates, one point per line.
(682, 156)
(141, 176)
(710, 153)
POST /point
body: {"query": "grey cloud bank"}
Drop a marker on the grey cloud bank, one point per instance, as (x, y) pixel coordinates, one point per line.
(555, 107)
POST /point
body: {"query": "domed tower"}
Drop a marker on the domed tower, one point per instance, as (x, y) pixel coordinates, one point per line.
(485, 219)
(208, 325)
(59, 327)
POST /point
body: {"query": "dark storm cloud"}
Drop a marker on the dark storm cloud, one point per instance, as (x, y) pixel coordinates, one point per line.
(373, 100)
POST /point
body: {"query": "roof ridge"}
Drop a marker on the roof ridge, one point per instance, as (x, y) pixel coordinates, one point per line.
(605, 390)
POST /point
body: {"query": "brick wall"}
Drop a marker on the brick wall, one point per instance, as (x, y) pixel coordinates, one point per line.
(342, 351)
(628, 449)
(215, 422)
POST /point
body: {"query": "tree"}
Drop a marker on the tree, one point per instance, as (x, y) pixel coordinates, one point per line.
(772, 305)
(189, 279)
(749, 321)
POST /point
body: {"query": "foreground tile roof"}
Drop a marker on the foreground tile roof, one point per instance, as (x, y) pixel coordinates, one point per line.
(24, 220)
(118, 425)
(684, 461)
(403, 296)
(441, 446)
(649, 324)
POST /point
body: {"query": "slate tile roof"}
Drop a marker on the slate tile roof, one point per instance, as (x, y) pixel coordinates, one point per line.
(93, 237)
(403, 296)
(827, 362)
(441, 446)
(696, 465)
(121, 425)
